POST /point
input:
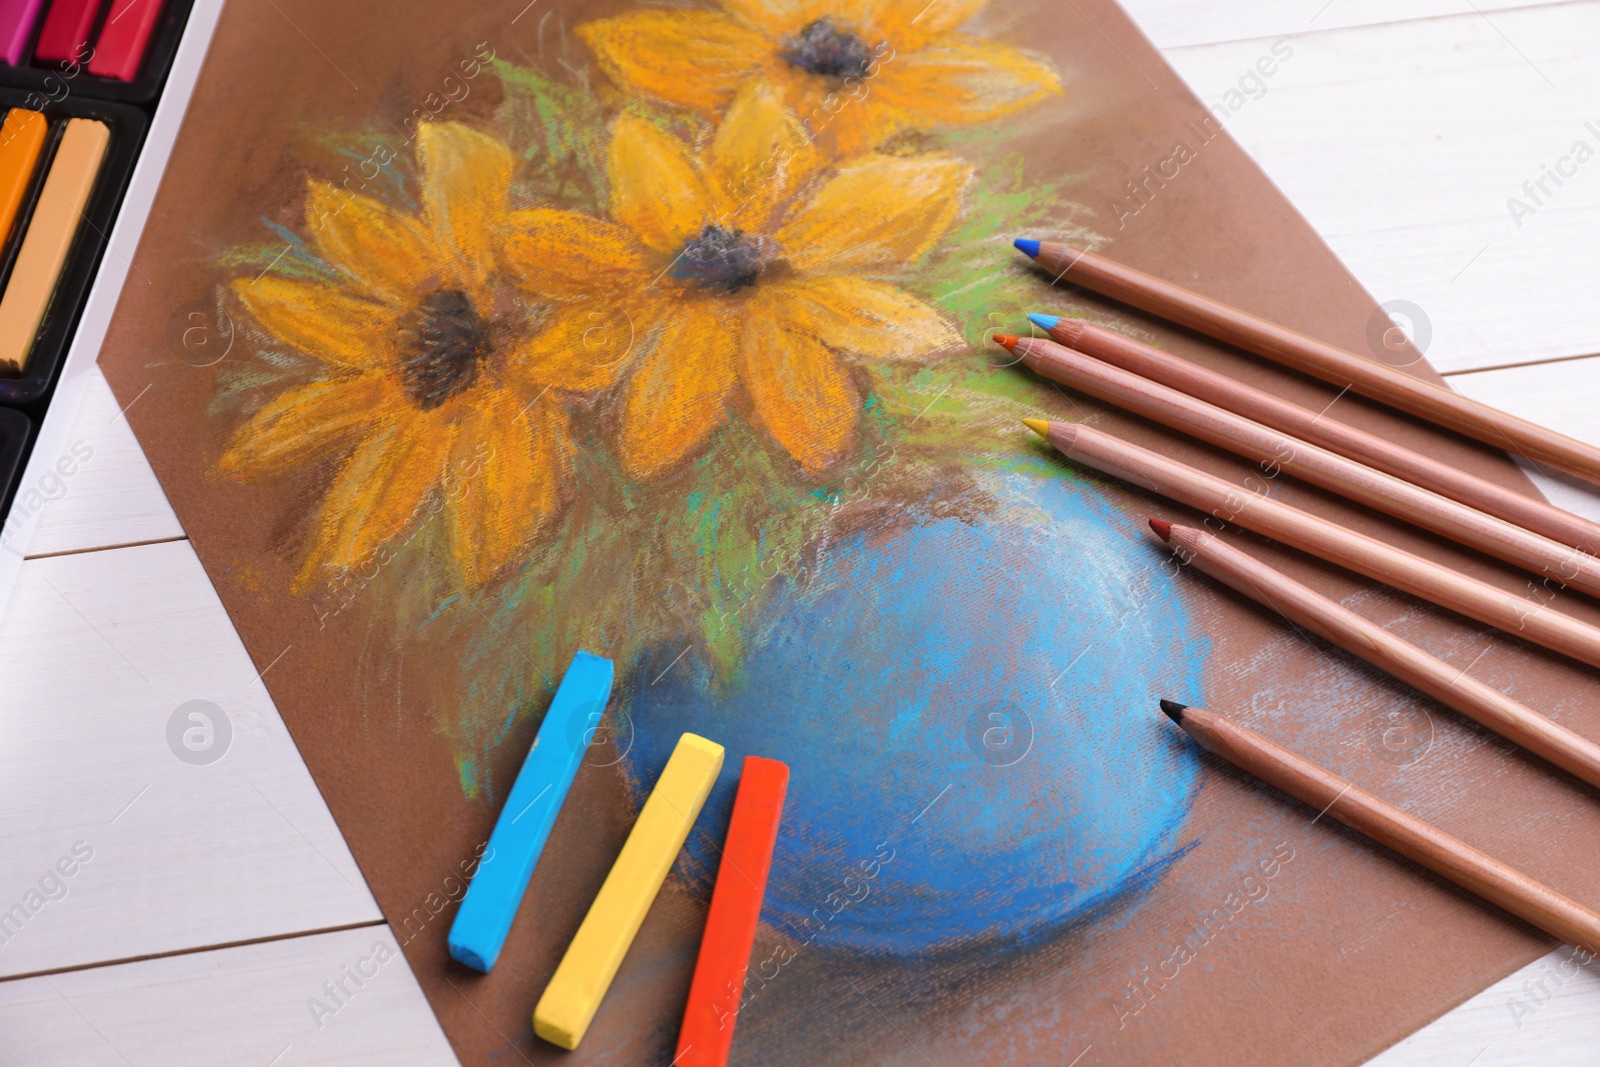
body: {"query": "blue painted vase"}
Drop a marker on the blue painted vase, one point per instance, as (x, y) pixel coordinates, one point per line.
(968, 709)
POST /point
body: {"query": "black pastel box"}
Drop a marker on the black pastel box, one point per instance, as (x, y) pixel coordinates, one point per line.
(52, 81)
(15, 431)
(30, 388)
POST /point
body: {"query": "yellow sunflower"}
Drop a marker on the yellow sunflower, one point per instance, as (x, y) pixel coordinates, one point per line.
(742, 291)
(854, 71)
(436, 391)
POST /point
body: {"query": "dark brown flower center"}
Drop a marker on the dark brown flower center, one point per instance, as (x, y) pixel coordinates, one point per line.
(443, 340)
(722, 258)
(822, 48)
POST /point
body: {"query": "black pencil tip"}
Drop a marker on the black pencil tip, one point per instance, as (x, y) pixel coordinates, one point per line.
(1174, 710)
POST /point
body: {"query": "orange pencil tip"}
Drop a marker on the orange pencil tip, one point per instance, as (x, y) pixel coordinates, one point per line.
(1038, 426)
(1005, 341)
(1162, 528)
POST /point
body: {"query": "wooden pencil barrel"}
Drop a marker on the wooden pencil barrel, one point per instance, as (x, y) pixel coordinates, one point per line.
(1319, 359)
(1451, 686)
(1447, 856)
(1357, 552)
(1327, 432)
(1319, 466)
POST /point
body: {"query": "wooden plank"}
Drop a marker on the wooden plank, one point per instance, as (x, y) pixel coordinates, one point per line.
(1183, 23)
(253, 1004)
(95, 316)
(1545, 1014)
(1563, 396)
(100, 650)
(1402, 145)
(102, 492)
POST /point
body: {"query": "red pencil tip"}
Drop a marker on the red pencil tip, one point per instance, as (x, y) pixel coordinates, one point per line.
(1005, 341)
(1162, 528)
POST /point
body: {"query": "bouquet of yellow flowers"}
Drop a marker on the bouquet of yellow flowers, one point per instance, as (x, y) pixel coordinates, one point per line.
(598, 366)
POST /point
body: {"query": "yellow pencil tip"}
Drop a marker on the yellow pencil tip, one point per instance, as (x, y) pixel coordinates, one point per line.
(1038, 426)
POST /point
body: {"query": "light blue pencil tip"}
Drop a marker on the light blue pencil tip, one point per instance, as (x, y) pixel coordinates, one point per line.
(1044, 322)
(1027, 247)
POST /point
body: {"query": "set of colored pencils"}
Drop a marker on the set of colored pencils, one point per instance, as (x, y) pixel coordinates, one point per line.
(1361, 467)
(581, 980)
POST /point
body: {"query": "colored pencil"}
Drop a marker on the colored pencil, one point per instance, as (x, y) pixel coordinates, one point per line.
(1321, 429)
(1366, 376)
(1331, 471)
(1326, 540)
(718, 986)
(480, 927)
(1333, 622)
(49, 237)
(579, 985)
(1418, 841)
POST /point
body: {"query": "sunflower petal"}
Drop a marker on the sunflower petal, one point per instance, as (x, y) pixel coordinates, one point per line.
(803, 395)
(854, 129)
(655, 190)
(759, 153)
(466, 180)
(964, 80)
(503, 483)
(854, 15)
(877, 212)
(678, 395)
(304, 424)
(324, 322)
(386, 253)
(774, 18)
(865, 318)
(693, 58)
(378, 493)
(563, 254)
(582, 348)
(910, 24)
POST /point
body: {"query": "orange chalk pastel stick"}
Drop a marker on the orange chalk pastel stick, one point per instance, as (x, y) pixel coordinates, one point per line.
(21, 140)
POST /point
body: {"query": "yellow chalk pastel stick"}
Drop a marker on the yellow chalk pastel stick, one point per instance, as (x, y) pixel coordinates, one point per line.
(44, 247)
(580, 983)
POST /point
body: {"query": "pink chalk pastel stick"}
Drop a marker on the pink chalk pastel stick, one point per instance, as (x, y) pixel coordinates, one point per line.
(16, 23)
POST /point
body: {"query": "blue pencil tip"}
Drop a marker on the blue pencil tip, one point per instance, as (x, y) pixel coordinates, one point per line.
(1044, 322)
(1027, 247)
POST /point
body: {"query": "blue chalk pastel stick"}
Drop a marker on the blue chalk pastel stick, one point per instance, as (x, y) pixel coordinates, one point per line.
(481, 925)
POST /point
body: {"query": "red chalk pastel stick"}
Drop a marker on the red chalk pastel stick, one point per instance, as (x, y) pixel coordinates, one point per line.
(119, 53)
(65, 37)
(718, 984)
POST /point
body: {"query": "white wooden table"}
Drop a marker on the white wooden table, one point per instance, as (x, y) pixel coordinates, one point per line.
(216, 899)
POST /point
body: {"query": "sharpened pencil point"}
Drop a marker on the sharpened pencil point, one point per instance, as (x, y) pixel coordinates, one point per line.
(1027, 247)
(1038, 426)
(1163, 528)
(1044, 322)
(1006, 341)
(1174, 710)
